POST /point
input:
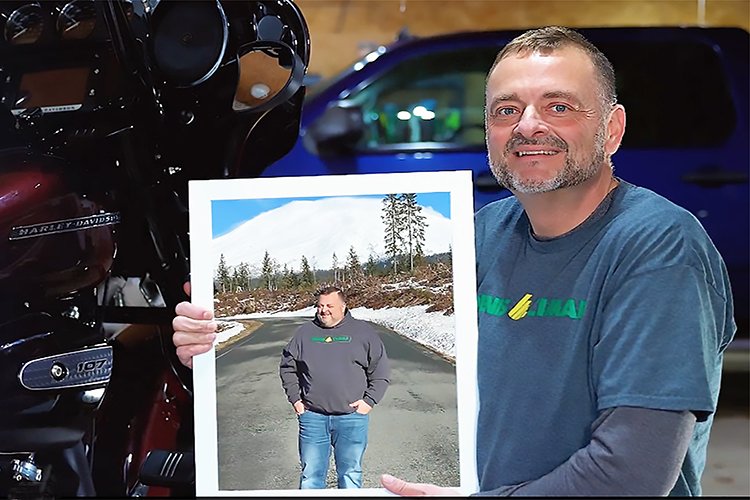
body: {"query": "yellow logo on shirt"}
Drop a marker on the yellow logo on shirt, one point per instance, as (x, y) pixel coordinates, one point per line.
(521, 308)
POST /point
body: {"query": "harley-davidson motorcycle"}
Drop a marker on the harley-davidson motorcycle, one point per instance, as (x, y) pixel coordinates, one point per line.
(107, 110)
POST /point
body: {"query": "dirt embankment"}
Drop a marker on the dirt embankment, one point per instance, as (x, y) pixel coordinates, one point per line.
(430, 285)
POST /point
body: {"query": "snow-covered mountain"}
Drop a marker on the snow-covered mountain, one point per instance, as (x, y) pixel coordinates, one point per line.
(317, 229)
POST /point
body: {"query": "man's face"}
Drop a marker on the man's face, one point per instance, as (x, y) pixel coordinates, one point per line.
(545, 128)
(330, 309)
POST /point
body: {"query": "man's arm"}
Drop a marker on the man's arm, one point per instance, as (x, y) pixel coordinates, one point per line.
(633, 451)
(378, 373)
(288, 374)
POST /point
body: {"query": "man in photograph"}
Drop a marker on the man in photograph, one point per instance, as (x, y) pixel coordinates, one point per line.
(334, 371)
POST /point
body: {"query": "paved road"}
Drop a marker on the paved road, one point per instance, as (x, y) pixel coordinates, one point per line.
(413, 431)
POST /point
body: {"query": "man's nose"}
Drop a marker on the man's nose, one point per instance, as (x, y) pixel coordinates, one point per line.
(531, 123)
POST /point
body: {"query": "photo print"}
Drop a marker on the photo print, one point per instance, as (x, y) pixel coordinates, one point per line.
(401, 248)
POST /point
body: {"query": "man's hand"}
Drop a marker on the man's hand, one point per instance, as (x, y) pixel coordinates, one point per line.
(405, 489)
(194, 330)
(361, 407)
(299, 407)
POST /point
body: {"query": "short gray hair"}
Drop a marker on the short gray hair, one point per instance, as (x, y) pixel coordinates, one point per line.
(550, 38)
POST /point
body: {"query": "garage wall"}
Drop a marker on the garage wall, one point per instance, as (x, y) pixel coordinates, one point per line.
(341, 31)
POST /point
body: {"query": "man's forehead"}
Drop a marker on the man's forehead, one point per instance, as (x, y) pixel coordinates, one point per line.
(566, 70)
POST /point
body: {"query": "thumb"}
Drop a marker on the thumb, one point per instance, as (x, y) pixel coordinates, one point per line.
(399, 486)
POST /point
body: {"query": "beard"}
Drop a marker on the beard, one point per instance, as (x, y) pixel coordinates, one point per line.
(571, 174)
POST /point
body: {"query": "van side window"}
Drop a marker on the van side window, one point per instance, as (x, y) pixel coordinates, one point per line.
(675, 94)
(433, 101)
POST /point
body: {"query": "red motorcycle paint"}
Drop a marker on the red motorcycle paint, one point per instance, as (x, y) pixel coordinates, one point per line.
(50, 255)
(93, 189)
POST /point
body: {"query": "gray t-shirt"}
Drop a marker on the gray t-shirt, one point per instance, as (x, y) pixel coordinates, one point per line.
(632, 308)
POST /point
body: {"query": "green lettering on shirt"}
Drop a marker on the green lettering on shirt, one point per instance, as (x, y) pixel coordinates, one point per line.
(330, 339)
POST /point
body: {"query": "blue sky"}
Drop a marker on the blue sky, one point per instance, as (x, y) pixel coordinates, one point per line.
(228, 214)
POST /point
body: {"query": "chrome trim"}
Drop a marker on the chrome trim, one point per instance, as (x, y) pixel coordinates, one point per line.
(64, 225)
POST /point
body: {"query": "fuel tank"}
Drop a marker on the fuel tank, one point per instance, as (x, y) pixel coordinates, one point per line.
(55, 239)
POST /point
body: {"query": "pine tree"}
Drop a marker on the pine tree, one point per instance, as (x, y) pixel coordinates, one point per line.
(275, 274)
(414, 227)
(335, 266)
(267, 272)
(393, 222)
(284, 282)
(307, 278)
(353, 267)
(235, 280)
(371, 267)
(241, 278)
(222, 275)
(291, 279)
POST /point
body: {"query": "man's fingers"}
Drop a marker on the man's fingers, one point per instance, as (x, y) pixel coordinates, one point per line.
(185, 353)
(401, 487)
(192, 311)
(192, 319)
(186, 288)
(406, 489)
(185, 325)
(203, 340)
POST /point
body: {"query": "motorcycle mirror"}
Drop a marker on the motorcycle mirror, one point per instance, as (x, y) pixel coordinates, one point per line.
(270, 73)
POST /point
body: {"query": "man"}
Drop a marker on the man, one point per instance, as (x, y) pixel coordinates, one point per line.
(604, 309)
(334, 370)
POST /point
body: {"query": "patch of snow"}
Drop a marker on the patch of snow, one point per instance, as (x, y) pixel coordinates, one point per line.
(234, 329)
(433, 329)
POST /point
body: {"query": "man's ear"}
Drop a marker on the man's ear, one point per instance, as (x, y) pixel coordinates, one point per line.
(615, 129)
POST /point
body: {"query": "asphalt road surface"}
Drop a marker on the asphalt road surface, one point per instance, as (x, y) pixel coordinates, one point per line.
(413, 430)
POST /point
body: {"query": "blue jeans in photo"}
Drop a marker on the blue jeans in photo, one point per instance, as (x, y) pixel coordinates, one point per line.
(347, 434)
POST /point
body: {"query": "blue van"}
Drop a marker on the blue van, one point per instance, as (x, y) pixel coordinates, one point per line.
(418, 105)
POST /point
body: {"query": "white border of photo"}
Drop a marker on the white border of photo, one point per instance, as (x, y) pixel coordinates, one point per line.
(457, 183)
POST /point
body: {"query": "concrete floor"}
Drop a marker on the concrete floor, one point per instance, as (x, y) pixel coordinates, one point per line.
(728, 463)
(727, 470)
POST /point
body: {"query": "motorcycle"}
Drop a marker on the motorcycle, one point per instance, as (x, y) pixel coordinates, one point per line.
(107, 110)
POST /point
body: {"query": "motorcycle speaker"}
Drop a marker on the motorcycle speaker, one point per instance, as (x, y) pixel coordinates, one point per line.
(189, 40)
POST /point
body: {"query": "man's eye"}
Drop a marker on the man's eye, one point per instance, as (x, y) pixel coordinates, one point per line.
(560, 108)
(502, 112)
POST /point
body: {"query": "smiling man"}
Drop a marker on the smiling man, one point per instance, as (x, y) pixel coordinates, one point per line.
(334, 370)
(604, 308)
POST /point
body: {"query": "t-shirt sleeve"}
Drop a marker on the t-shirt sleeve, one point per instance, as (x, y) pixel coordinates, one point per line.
(661, 340)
